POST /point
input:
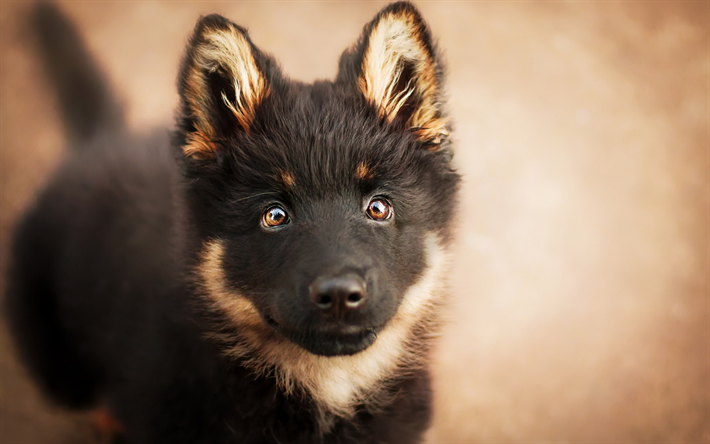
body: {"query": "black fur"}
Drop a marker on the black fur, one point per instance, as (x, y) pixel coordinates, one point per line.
(103, 301)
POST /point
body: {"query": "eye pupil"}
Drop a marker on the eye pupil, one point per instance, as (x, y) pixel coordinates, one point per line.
(379, 210)
(274, 216)
(277, 216)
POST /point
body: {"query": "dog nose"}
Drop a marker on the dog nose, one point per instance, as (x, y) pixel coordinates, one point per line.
(338, 295)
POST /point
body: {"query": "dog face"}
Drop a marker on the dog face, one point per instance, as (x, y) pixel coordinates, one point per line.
(315, 203)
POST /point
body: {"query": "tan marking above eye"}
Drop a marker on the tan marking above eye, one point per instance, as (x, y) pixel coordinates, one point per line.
(379, 209)
(287, 179)
(363, 171)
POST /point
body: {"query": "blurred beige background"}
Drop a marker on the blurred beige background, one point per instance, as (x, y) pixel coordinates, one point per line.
(580, 309)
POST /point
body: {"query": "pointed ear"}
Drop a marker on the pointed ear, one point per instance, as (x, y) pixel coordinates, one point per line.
(395, 66)
(221, 84)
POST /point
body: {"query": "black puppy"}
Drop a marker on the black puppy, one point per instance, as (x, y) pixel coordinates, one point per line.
(279, 281)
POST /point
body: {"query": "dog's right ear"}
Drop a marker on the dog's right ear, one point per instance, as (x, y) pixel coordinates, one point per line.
(396, 68)
(221, 85)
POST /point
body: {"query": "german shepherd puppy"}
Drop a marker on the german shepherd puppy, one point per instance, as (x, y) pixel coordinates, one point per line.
(269, 272)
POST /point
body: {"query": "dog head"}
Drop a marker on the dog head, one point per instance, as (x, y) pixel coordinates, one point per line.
(317, 206)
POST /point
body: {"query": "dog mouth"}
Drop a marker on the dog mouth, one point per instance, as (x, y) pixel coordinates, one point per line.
(333, 340)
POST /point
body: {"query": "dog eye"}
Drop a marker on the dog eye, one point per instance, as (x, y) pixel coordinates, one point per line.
(274, 216)
(379, 209)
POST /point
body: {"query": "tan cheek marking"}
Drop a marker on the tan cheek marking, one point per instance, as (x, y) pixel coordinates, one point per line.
(239, 308)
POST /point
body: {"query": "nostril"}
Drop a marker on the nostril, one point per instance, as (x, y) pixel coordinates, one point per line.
(353, 300)
(325, 301)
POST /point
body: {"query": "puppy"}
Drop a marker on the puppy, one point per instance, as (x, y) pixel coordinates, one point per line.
(271, 271)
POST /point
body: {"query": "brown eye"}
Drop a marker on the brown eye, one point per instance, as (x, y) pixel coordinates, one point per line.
(379, 209)
(274, 216)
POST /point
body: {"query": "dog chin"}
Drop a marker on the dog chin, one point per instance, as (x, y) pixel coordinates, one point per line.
(337, 341)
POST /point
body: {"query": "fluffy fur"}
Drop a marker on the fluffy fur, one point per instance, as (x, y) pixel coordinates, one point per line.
(159, 290)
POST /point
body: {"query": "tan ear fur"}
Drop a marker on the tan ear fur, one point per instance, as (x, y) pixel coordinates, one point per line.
(229, 51)
(396, 40)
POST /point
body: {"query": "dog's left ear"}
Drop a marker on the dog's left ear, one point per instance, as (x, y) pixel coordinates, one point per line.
(395, 66)
(221, 85)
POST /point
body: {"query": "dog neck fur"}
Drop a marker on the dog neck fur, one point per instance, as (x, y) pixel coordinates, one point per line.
(336, 384)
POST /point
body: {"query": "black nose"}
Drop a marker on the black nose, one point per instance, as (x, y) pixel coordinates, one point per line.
(338, 295)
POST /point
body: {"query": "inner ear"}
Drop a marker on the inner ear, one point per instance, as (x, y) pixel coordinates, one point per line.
(404, 95)
(399, 72)
(222, 83)
(222, 92)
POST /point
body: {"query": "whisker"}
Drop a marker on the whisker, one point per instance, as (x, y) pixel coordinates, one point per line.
(253, 195)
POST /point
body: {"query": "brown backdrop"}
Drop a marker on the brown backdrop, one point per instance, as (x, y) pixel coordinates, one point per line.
(580, 309)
